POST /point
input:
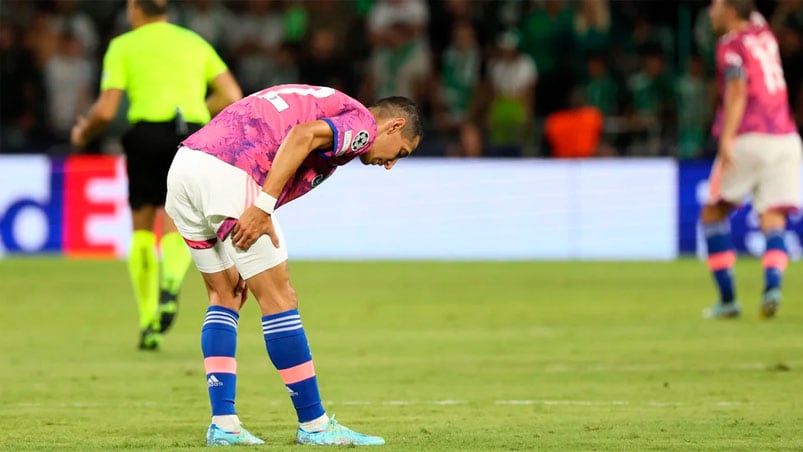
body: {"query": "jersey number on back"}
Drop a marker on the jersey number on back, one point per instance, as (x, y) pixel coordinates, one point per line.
(274, 96)
(765, 49)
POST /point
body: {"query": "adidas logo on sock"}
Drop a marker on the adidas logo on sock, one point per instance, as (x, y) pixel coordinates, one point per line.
(213, 381)
(291, 392)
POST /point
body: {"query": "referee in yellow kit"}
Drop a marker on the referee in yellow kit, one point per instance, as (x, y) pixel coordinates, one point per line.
(165, 69)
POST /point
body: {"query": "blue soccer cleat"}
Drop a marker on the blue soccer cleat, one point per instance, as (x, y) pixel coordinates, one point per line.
(336, 435)
(770, 302)
(723, 311)
(216, 436)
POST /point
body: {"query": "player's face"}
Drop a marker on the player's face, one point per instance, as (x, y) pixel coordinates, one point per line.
(390, 146)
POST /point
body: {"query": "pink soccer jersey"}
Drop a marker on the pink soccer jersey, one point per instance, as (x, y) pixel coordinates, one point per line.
(752, 53)
(248, 133)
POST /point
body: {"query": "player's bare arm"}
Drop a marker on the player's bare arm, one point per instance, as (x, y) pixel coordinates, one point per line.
(100, 115)
(297, 145)
(734, 103)
(225, 91)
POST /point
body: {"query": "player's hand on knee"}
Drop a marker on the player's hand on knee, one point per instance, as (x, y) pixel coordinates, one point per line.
(253, 223)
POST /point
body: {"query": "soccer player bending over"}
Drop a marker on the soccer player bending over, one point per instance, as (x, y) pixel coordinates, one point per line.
(759, 151)
(223, 186)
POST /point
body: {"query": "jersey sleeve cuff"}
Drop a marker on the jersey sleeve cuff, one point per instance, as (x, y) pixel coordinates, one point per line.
(336, 137)
(735, 72)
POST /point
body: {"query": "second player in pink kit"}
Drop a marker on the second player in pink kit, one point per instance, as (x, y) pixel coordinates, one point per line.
(759, 152)
(751, 54)
(223, 187)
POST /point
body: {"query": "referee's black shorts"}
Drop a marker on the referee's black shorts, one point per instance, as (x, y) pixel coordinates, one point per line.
(149, 150)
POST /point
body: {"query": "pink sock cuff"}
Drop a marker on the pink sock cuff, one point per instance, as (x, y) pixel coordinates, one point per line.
(775, 259)
(722, 260)
(220, 364)
(297, 373)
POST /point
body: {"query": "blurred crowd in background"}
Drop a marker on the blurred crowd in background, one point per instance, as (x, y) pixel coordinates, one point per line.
(541, 78)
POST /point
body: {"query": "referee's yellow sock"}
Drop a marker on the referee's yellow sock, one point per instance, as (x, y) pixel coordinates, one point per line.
(143, 267)
(176, 260)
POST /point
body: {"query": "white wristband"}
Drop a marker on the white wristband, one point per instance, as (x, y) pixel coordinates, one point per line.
(265, 202)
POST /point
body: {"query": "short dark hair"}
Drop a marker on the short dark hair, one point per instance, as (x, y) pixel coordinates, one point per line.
(399, 106)
(743, 7)
(152, 8)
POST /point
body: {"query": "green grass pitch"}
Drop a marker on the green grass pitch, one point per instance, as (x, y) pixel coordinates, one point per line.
(432, 356)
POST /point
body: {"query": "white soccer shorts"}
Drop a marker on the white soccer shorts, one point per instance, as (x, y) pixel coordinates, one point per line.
(766, 167)
(205, 196)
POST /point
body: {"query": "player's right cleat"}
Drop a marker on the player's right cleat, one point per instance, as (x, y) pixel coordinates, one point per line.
(721, 310)
(335, 434)
(168, 307)
(216, 436)
(770, 302)
(149, 339)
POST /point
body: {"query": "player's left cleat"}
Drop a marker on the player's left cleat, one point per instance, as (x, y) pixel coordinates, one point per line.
(770, 302)
(335, 434)
(149, 339)
(168, 307)
(721, 310)
(216, 436)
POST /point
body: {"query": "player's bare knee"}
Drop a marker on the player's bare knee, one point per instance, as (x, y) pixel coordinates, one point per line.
(291, 297)
(714, 213)
(772, 219)
(228, 299)
(288, 298)
(282, 298)
(223, 289)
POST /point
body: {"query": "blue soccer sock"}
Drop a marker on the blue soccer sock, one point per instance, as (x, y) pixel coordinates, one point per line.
(219, 345)
(289, 352)
(775, 259)
(721, 258)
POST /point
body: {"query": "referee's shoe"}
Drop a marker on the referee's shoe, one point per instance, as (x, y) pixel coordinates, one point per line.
(168, 308)
(150, 339)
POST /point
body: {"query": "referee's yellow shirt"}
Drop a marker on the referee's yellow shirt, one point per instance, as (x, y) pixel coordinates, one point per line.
(162, 67)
